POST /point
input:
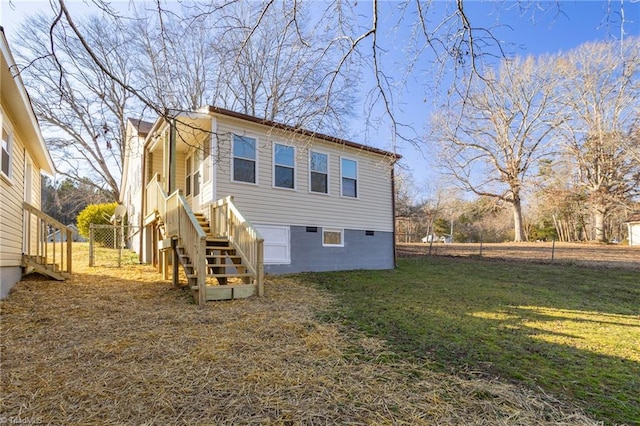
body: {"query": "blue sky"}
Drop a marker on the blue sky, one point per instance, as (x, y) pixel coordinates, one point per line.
(557, 26)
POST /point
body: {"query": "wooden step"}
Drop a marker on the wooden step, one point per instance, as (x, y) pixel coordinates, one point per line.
(228, 292)
(223, 256)
(243, 275)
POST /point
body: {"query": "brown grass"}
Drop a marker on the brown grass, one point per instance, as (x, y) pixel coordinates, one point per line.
(120, 346)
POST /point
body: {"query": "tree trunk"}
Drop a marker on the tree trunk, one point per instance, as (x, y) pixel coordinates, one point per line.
(517, 220)
(598, 218)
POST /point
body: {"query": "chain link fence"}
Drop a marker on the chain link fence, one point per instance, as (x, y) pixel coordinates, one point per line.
(108, 248)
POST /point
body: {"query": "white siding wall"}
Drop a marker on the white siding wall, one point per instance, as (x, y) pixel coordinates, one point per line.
(132, 193)
(13, 191)
(262, 203)
(11, 216)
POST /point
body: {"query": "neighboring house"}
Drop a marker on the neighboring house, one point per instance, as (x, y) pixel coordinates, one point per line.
(633, 225)
(23, 157)
(319, 203)
(58, 236)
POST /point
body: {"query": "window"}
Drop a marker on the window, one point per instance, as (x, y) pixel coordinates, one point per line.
(244, 159)
(283, 166)
(349, 171)
(319, 172)
(5, 153)
(332, 238)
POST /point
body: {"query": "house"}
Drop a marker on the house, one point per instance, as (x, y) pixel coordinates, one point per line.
(57, 235)
(23, 157)
(299, 200)
(633, 226)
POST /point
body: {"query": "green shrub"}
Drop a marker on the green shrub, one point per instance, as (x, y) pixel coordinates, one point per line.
(98, 214)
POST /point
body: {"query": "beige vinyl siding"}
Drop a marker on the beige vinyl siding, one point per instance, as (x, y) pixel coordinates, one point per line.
(11, 212)
(262, 203)
(181, 171)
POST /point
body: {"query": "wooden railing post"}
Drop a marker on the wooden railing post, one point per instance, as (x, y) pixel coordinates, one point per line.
(260, 267)
(202, 271)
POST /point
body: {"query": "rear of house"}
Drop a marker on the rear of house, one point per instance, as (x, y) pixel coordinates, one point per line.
(320, 203)
(23, 156)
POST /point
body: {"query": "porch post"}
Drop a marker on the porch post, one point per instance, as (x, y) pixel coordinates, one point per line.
(172, 156)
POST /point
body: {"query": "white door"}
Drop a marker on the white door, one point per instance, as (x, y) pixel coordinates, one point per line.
(193, 182)
(277, 244)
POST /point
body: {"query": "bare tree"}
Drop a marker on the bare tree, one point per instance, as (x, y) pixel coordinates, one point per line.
(496, 133)
(81, 107)
(95, 72)
(601, 92)
(273, 64)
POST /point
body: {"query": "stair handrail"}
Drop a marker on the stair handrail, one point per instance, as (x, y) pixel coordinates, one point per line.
(182, 224)
(227, 221)
(46, 225)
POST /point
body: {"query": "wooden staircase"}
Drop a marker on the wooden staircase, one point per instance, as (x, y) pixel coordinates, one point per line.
(40, 265)
(227, 274)
(44, 252)
(222, 256)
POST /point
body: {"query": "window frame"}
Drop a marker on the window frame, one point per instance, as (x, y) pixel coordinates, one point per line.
(275, 164)
(9, 153)
(233, 158)
(338, 230)
(342, 177)
(311, 152)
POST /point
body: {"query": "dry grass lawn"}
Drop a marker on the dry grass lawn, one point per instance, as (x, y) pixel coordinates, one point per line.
(121, 346)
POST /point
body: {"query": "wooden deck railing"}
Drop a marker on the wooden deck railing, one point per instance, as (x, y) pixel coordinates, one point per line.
(54, 255)
(226, 221)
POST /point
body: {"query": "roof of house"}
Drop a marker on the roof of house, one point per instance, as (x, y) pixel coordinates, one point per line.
(634, 217)
(276, 125)
(143, 127)
(22, 111)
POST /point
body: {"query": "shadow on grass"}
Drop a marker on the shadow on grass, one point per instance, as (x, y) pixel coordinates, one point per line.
(574, 332)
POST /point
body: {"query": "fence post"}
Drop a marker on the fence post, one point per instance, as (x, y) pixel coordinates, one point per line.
(553, 249)
(91, 244)
(481, 246)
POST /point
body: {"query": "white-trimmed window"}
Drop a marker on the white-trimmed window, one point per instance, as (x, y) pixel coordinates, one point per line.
(318, 172)
(284, 166)
(332, 237)
(5, 153)
(244, 159)
(349, 177)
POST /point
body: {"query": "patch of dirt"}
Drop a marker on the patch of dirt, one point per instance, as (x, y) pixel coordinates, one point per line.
(596, 255)
(121, 346)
